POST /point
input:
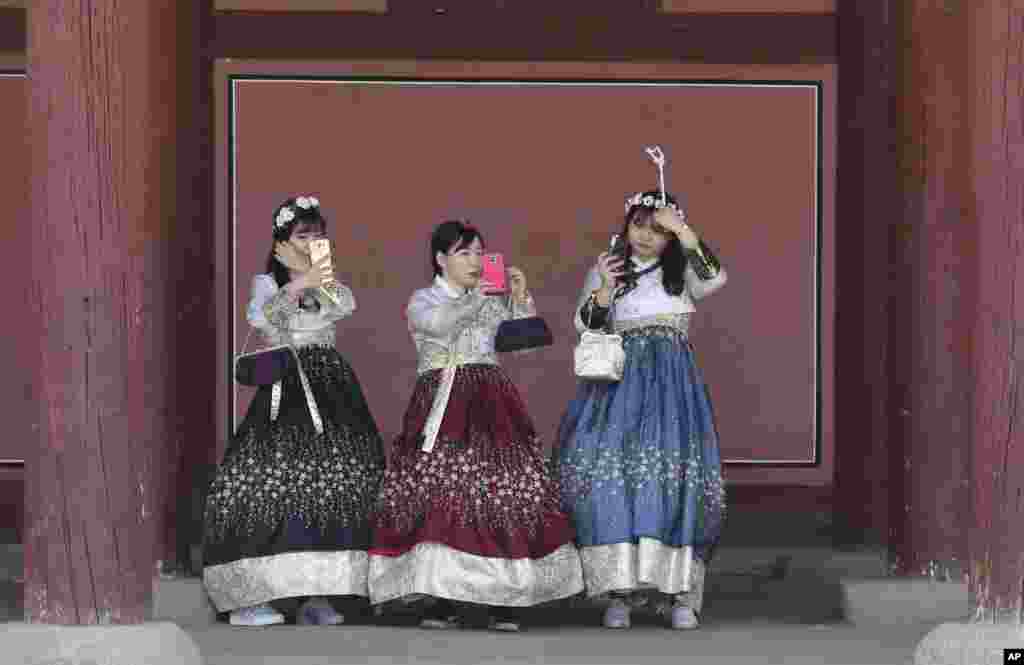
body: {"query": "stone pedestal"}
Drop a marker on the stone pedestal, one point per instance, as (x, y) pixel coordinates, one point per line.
(148, 643)
(968, 644)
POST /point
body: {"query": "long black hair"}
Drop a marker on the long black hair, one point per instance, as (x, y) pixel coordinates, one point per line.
(309, 216)
(453, 234)
(673, 258)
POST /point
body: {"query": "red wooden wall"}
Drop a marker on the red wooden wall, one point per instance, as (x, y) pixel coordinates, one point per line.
(543, 170)
(633, 32)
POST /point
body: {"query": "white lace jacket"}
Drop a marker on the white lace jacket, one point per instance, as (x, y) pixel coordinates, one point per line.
(279, 319)
(649, 299)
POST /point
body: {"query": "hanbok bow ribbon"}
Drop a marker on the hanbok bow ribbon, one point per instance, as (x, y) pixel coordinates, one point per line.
(440, 405)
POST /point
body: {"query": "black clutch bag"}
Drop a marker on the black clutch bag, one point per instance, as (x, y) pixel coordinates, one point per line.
(265, 367)
(519, 334)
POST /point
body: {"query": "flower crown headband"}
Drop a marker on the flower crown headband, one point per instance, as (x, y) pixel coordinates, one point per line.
(287, 213)
(649, 200)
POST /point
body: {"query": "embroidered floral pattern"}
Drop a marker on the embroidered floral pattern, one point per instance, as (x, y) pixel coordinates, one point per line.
(475, 483)
(325, 481)
(511, 492)
(647, 473)
(280, 309)
(285, 470)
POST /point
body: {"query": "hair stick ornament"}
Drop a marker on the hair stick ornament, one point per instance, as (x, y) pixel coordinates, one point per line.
(658, 157)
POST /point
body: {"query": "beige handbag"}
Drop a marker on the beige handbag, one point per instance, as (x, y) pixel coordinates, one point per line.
(599, 355)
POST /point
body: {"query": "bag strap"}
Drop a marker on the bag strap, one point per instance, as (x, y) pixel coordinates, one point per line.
(245, 345)
(593, 302)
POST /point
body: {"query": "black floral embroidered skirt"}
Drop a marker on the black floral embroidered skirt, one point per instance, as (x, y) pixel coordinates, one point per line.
(288, 510)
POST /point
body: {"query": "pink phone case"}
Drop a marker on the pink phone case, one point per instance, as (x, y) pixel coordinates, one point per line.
(494, 272)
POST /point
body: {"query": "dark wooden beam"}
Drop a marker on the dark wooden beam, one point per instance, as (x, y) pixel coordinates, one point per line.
(12, 492)
(12, 29)
(194, 395)
(417, 30)
(748, 6)
(930, 296)
(867, 208)
(520, 35)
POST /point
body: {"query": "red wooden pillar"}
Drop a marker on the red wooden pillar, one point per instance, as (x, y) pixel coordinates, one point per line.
(101, 119)
(996, 128)
(930, 332)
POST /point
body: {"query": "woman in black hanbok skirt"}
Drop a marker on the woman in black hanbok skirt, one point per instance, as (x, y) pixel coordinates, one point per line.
(288, 509)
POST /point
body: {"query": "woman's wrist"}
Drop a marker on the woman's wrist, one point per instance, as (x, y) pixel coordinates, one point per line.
(704, 261)
(602, 296)
(523, 298)
(694, 242)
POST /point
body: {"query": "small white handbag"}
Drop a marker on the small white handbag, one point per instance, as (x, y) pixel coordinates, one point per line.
(599, 356)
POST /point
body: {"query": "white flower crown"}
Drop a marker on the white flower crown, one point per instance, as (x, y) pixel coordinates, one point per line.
(287, 213)
(650, 201)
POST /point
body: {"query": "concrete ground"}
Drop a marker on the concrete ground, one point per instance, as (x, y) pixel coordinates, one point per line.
(567, 642)
(777, 592)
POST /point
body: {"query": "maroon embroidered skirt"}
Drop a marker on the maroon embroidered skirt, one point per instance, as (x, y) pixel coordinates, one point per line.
(486, 491)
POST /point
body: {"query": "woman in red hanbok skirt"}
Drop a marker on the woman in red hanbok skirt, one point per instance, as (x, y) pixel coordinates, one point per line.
(468, 515)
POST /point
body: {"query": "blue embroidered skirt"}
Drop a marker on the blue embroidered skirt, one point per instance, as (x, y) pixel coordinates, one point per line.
(640, 469)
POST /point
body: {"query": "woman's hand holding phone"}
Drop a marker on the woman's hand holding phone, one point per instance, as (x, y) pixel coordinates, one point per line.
(610, 267)
(321, 273)
(517, 284)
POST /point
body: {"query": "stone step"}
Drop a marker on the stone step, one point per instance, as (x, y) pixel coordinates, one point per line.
(12, 562)
(904, 601)
(827, 561)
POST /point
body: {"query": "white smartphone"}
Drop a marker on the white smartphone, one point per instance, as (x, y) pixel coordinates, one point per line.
(318, 249)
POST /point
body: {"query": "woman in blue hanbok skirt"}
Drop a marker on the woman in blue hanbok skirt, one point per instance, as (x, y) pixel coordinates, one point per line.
(639, 459)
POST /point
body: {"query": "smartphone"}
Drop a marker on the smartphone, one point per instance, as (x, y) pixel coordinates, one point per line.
(494, 272)
(617, 246)
(318, 249)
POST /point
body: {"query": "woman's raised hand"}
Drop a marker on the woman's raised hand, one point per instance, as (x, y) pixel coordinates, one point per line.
(321, 272)
(516, 283)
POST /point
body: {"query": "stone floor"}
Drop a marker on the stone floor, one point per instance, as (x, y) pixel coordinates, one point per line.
(777, 592)
(577, 639)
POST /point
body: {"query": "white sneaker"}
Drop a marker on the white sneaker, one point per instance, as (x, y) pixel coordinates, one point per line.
(503, 625)
(435, 623)
(684, 618)
(256, 615)
(616, 615)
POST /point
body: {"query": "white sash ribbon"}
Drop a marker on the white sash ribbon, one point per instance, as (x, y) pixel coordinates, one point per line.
(440, 405)
(276, 391)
